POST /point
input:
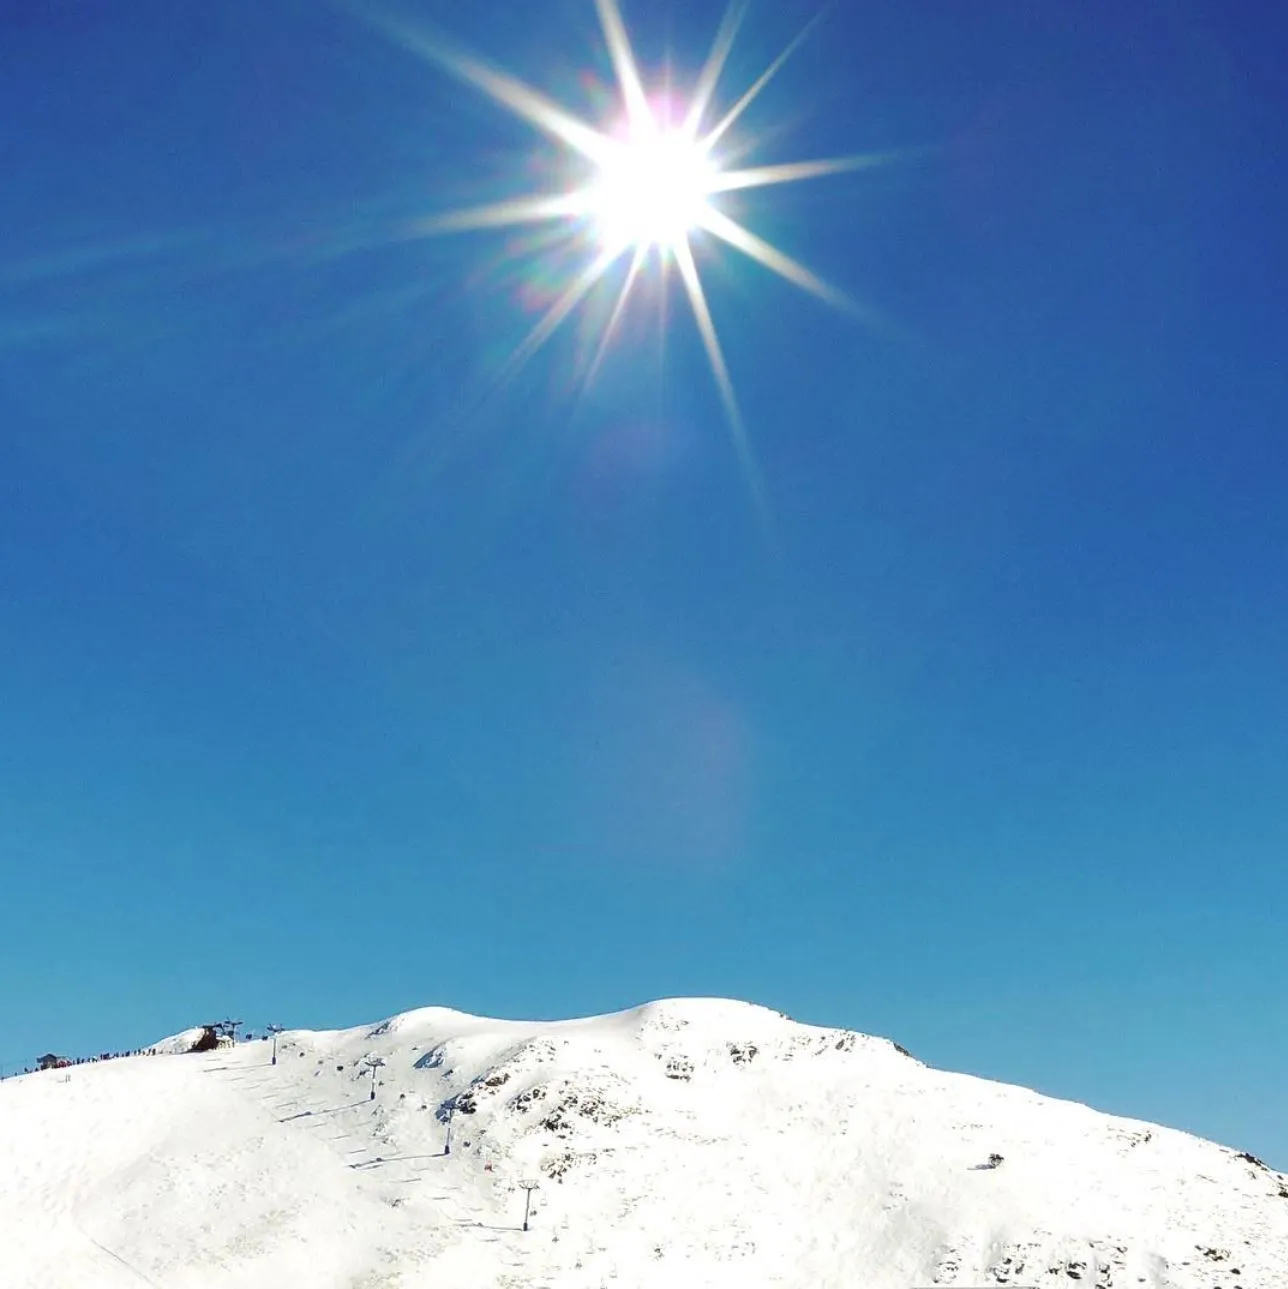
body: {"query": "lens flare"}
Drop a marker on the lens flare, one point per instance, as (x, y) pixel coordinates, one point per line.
(653, 187)
(652, 191)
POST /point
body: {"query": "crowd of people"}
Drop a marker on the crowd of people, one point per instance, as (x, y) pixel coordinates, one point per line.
(52, 1062)
(209, 1037)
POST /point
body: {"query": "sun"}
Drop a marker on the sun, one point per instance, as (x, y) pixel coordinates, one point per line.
(653, 190)
(649, 182)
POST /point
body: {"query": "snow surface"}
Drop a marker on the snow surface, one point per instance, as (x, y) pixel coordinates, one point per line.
(178, 1044)
(686, 1143)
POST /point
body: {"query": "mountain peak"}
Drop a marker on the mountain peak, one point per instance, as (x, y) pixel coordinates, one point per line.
(700, 1139)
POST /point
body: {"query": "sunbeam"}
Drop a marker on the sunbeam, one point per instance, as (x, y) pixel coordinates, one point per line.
(562, 307)
(654, 181)
(771, 257)
(792, 172)
(619, 308)
(705, 89)
(753, 92)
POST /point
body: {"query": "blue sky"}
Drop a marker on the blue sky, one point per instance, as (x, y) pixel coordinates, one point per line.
(337, 678)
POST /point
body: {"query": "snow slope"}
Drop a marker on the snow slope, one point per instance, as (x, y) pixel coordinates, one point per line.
(687, 1143)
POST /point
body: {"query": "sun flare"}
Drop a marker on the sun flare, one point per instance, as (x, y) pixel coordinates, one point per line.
(656, 176)
(652, 190)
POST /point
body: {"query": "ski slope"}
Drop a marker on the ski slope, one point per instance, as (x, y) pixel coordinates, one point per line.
(686, 1143)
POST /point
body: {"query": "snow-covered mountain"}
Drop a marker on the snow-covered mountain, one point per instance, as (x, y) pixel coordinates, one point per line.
(685, 1144)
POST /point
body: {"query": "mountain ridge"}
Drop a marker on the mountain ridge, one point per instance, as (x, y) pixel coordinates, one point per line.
(709, 1140)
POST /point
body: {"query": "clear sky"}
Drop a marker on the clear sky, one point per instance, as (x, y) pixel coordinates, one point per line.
(339, 677)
